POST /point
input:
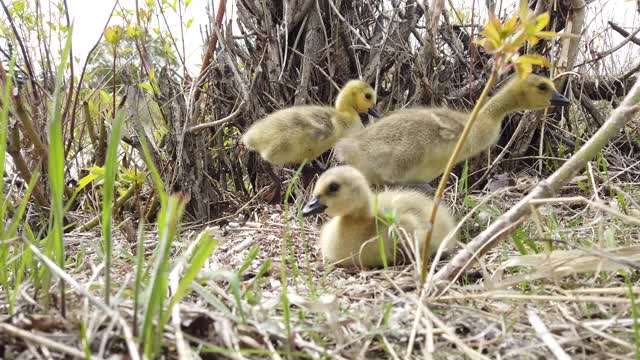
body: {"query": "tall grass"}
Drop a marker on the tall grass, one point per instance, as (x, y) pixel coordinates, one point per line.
(286, 239)
(55, 241)
(4, 121)
(156, 314)
(111, 166)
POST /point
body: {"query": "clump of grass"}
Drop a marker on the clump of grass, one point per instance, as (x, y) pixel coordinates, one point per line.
(156, 314)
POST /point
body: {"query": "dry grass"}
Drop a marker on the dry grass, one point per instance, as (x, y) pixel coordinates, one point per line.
(507, 306)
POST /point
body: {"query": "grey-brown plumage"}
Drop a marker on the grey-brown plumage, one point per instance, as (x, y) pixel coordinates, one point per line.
(299, 133)
(350, 238)
(413, 145)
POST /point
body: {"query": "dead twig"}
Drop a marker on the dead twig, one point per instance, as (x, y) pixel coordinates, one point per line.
(31, 337)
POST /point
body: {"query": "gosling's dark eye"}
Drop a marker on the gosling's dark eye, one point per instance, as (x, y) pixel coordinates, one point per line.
(543, 87)
(367, 96)
(333, 187)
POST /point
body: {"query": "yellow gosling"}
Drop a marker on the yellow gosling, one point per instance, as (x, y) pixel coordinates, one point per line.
(350, 238)
(299, 133)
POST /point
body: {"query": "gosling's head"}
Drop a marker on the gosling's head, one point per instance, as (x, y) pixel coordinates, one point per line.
(340, 191)
(359, 96)
(534, 92)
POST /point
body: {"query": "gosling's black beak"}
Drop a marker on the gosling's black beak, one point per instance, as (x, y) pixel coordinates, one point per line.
(558, 99)
(313, 207)
(373, 111)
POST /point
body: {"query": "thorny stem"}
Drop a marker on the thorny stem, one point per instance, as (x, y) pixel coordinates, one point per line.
(447, 171)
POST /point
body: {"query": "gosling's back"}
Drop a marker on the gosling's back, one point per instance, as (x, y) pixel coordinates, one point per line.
(292, 135)
(409, 145)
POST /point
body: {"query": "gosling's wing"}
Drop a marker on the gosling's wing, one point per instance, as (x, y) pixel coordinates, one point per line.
(314, 121)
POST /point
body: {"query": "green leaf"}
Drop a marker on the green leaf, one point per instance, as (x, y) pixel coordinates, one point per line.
(113, 34)
(524, 9)
(533, 60)
(4, 124)
(492, 30)
(523, 69)
(172, 208)
(105, 96)
(147, 87)
(541, 21)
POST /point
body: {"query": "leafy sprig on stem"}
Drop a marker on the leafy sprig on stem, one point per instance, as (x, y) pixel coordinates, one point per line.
(503, 40)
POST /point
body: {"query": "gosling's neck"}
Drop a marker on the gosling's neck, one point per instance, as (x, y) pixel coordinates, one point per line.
(506, 100)
(348, 115)
(364, 211)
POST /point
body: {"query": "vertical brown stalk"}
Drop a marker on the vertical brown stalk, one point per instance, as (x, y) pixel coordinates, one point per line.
(447, 171)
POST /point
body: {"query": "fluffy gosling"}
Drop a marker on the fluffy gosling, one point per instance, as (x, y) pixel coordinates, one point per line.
(299, 133)
(350, 238)
(414, 145)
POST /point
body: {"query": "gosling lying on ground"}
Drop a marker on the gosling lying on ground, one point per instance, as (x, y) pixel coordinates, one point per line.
(350, 237)
(414, 145)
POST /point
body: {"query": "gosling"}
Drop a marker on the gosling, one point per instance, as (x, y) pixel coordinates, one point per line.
(414, 145)
(293, 135)
(350, 238)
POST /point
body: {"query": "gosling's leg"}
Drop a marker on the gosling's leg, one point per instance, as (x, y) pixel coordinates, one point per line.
(319, 164)
(276, 192)
(309, 171)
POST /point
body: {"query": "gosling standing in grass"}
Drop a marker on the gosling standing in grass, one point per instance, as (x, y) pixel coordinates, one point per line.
(299, 133)
(350, 238)
(414, 145)
(293, 135)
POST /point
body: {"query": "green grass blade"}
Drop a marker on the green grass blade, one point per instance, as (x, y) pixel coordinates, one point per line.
(4, 121)
(85, 340)
(203, 251)
(56, 168)
(255, 281)
(251, 256)
(155, 175)
(634, 316)
(170, 215)
(518, 239)
(4, 124)
(26, 258)
(81, 185)
(111, 166)
(19, 213)
(285, 247)
(213, 301)
(140, 271)
(234, 283)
